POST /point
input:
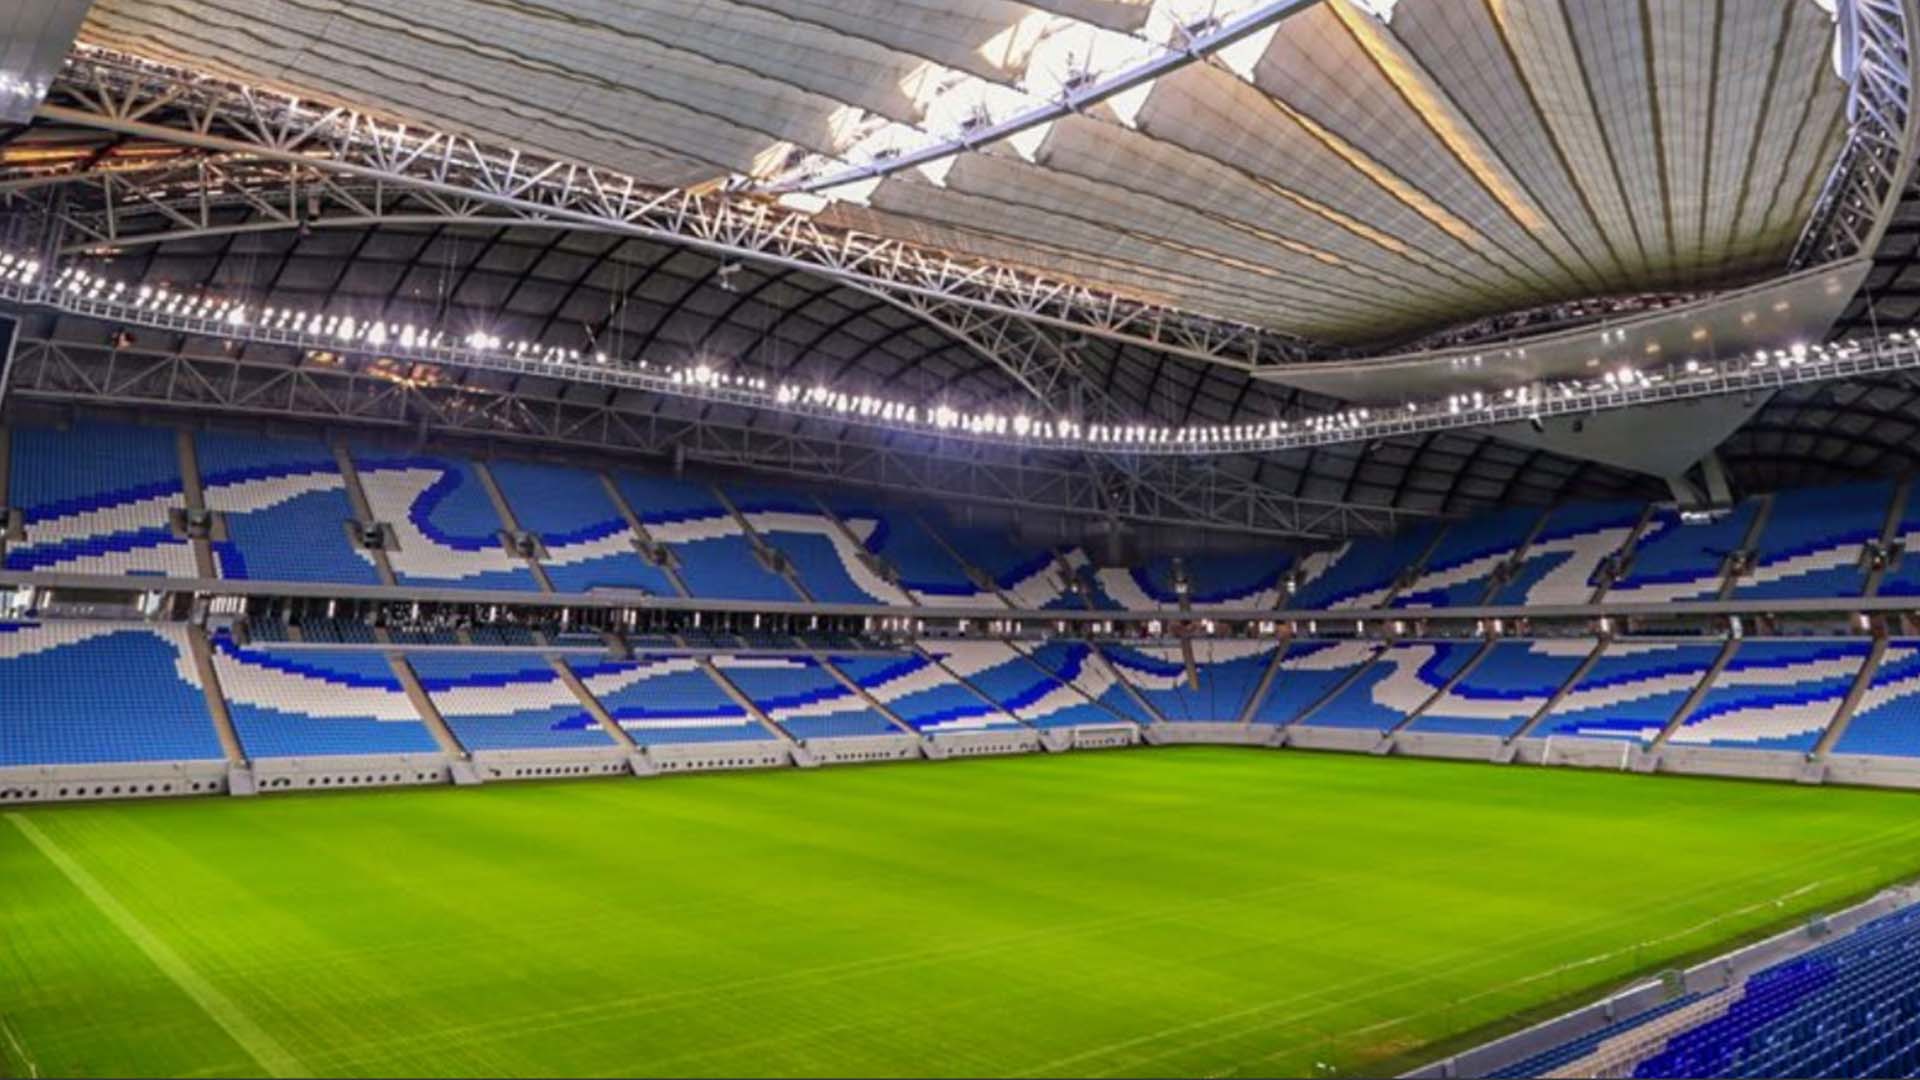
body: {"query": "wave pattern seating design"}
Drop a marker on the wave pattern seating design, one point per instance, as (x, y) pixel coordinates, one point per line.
(1631, 692)
(1812, 542)
(1030, 577)
(1074, 664)
(1228, 673)
(1081, 589)
(448, 530)
(1850, 1007)
(1239, 580)
(927, 572)
(493, 701)
(1401, 680)
(803, 697)
(1904, 579)
(588, 543)
(1025, 691)
(97, 499)
(716, 558)
(660, 699)
(1676, 561)
(1308, 672)
(286, 510)
(1360, 573)
(1886, 721)
(827, 562)
(1562, 565)
(317, 702)
(83, 693)
(1506, 689)
(1462, 565)
(1775, 695)
(922, 693)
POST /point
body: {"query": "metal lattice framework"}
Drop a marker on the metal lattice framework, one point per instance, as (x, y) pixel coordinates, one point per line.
(147, 100)
(1878, 43)
(1183, 493)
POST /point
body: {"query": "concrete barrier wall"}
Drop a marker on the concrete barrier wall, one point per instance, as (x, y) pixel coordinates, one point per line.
(274, 775)
(1221, 734)
(1435, 744)
(492, 765)
(709, 757)
(1745, 764)
(954, 744)
(1874, 771)
(865, 748)
(1584, 753)
(75, 783)
(1354, 740)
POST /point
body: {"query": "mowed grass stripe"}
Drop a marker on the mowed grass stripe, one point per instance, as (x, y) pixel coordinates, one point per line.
(1174, 911)
(264, 1049)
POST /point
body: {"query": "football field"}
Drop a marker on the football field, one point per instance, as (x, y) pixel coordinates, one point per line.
(1193, 911)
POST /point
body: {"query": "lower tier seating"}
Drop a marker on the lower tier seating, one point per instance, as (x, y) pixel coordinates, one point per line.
(667, 699)
(1632, 692)
(494, 701)
(317, 702)
(1025, 690)
(1076, 666)
(1403, 678)
(803, 697)
(922, 693)
(83, 693)
(1225, 676)
(1775, 695)
(1886, 720)
(1514, 681)
(1308, 672)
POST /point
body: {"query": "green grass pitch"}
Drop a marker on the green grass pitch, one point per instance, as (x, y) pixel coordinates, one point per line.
(1191, 911)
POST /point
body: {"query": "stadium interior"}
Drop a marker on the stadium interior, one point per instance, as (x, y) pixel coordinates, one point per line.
(455, 393)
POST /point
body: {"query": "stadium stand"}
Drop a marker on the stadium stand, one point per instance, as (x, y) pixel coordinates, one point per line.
(1248, 580)
(926, 567)
(1563, 564)
(495, 701)
(714, 556)
(588, 544)
(1514, 681)
(1025, 690)
(1075, 664)
(800, 695)
(1464, 562)
(1403, 678)
(98, 499)
(922, 692)
(89, 692)
(1227, 675)
(1361, 573)
(1307, 673)
(824, 556)
(317, 702)
(1674, 560)
(1813, 542)
(1774, 695)
(667, 699)
(284, 505)
(1632, 692)
(1027, 577)
(1903, 578)
(448, 530)
(1886, 720)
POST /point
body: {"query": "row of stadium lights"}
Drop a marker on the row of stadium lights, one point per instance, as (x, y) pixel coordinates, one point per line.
(335, 331)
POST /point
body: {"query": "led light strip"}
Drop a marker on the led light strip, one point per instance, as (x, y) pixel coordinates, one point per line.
(81, 292)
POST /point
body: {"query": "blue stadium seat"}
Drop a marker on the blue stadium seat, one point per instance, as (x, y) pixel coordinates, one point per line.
(1812, 543)
(304, 702)
(1462, 565)
(716, 559)
(668, 699)
(1506, 688)
(1308, 672)
(286, 509)
(86, 693)
(1361, 572)
(1632, 691)
(1400, 681)
(448, 530)
(1228, 673)
(927, 571)
(1026, 691)
(1886, 721)
(503, 701)
(1236, 580)
(922, 693)
(97, 499)
(589, 544)
(1775, 695)
(803, 697)
(1562, 565)
(1073, 663)
(1673, 560)
(824, 555)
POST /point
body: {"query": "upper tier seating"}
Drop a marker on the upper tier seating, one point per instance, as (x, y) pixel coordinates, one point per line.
(503, 701)
(588, 542)
(303, 702)
(825, 556)
(1077, 584)
(1562, 565)
(1308, 672)
(286, 510)
(1018, 685)
(1904, 579)
(1461, 568)
(1775, 695)
(1886, 720)
(1632, 691)
(922, 693)
(1850, 1007)
(1075, 664)
(1361, 573)
(98, 499)
(448, 531)
(1029, 577)
(1812, 542)
(667, 699)
(1673, 560)
(715, 557)
(1506, 688)
(803, 697)
(81, 693)
(1229, 673)
(927, 571)
(1404, 678)
(1242, 580)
